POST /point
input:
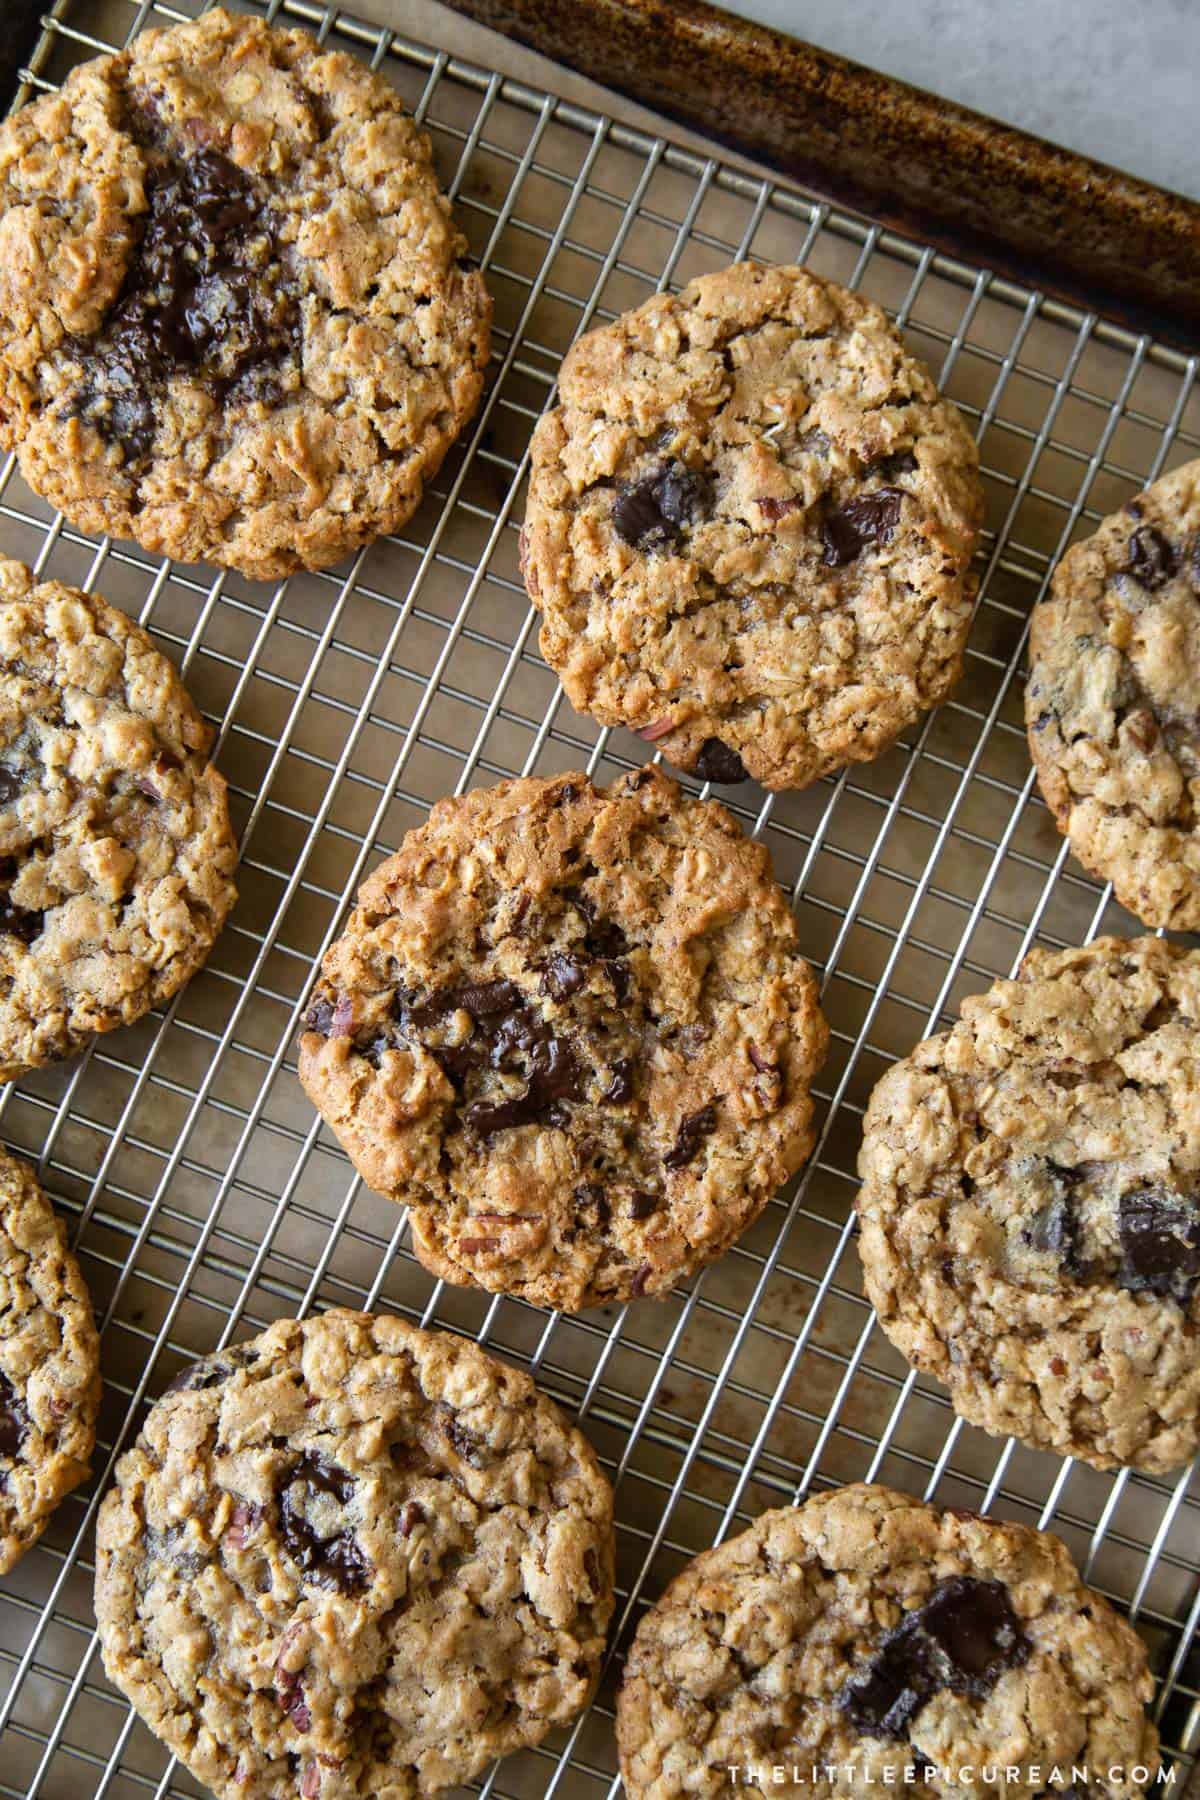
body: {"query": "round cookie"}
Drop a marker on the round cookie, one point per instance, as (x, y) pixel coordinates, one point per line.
(1030, 1206)
(116, 854)
(49, 1363)
(749, 528)
(866, 1631)
(353, 1558)
(236, 321)
(571, 1029)
(1113, 701)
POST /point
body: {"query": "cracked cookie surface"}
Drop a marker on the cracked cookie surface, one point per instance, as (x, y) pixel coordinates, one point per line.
(1030, 1206)
(865, 1628)
(49, 1363)
(350, 1559)
(116, 853)
(572, 1030)
(1112, 703)
(749, 528)
(235, 318)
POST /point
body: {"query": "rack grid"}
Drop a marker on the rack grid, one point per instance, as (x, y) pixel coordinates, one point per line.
(202, 1195)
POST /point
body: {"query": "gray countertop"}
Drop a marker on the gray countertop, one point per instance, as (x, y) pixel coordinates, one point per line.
(1116, 79)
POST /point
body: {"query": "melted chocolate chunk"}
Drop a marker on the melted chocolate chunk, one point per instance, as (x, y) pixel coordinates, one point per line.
(642, 1205)
(10, 784)
(964, 1638)
(717, 762)
(621, 1087)
(1160, 1244)
(692, 1133)
(211, 1371)
(592, 1196)
(871, 519)
(563, 975)
(900, 462)
(20, 923)
(335, 1561)
(555, 1076)
(1054, 1228)
(319, 1017)
(1152, 561)
(653, 512)
(201, 296)
(14, 1418)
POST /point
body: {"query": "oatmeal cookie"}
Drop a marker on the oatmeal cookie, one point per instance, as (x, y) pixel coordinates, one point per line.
(236, 321)
(864, 1628)
(116, 853)
(49, 1363)
(1030, 1205)
(1113, 701)
(352, 1558)
(572, 1030)
(750, 525)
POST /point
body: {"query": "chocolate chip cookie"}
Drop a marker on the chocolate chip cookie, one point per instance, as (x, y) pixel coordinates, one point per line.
(571, 1029)
(49, 1363)
(116, 854)
(236, 320)
(749, 528)
(352, 1558)
(1113, 701)
(865, 1631)
(1030, 1205)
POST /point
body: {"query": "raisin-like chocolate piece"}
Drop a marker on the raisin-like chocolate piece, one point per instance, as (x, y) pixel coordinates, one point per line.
(871, 519)
(14, 1418)
(1160, 1244)
(964, 1638)
(653, 512)
(691, 1134)
(717, 762)
(1152, 561)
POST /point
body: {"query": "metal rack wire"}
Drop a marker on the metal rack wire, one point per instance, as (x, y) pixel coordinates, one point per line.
(203, 1197)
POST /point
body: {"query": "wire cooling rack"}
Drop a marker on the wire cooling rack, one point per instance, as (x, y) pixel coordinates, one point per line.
(203, 1196)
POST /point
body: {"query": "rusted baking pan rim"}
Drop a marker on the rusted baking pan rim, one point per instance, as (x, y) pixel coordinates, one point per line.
(963, 182)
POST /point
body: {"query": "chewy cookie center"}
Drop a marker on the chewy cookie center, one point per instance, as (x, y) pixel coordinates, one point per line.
(206, 295)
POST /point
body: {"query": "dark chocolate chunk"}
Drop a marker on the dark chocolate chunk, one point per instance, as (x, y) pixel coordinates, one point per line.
(10, 784)
(202, 296)
(555, 1076)
(621, 1087)
(211, 1371)
(964, 1638)
(1152, 561)
(14, 1418)
(890, 468)
(717, 762)
(319, 1017)
(1054, 1227)
(871, 519)
(641, 1205)
(653, 512)
(563, 975)
(591, 1195)
(1160, 1244)
(335, 1561)
(691, 1134)
(20, 922)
